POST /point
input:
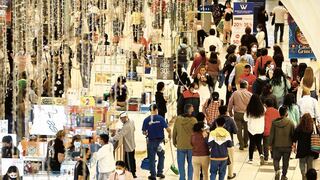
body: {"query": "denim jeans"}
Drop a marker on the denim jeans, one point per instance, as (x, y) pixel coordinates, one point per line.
(182, 155)
(153, 150)
(277, 154)
(218, 167)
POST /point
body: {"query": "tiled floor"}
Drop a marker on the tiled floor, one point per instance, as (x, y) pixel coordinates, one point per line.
(246, 171)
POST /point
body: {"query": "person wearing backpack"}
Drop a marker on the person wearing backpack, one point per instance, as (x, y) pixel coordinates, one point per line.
(184, 53)
(56, 152)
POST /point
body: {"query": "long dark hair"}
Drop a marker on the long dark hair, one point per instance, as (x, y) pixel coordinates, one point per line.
(255, 107)
(266, 90)
(277, 50)
(213, 58)
(306, 123)
(289, 100)
(12, 169)
(74, 138)
(278, 77)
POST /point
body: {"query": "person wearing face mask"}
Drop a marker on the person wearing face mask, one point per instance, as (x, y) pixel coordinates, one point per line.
(12, 174)
(127, 133)
(74, 149)
(81, 170)
(121, 173)
(260, 37)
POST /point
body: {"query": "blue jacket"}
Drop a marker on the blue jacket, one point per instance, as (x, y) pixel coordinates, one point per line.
(219, 141)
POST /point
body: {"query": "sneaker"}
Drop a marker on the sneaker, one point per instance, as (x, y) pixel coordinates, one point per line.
(277, 176)
(152, 178)
(261, 159)
(135, 176)
(284, 177)
(161, 176)
(233, 176)
(250, 161)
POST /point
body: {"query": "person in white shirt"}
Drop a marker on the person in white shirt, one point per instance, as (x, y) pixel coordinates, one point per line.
(260, 37)
(279, 12)
(212, 39)
(105, 158)
(308, 104)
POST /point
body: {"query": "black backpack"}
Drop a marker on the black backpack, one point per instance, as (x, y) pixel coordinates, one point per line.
(182, 54)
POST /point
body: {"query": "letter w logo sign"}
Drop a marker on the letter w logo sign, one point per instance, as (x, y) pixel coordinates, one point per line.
(243, 6)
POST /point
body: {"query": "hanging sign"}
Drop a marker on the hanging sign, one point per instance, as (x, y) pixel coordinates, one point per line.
(164, 68)
(298, 44)
(242, 18)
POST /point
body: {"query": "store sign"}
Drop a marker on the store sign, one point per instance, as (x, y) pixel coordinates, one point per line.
(298, 44)
(242, 18)
(164, 68)
(206, 8)
(48, 119)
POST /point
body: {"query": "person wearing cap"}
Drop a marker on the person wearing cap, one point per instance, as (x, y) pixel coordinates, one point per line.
(8, 150)
(127, 133)
(237, 107)
(153, 127)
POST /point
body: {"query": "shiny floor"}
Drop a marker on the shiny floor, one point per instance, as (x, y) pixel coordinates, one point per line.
(243, 170)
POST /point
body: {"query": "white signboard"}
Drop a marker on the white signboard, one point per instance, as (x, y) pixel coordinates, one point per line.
(242, 18)
(48, 119)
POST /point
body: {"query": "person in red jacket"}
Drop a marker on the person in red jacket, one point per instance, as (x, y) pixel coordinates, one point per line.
(262, 60)
(248, 76)
(270, 115)
(199, 60)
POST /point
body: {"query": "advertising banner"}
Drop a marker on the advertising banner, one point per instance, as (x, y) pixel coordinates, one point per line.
(242, 17)
(298, 44)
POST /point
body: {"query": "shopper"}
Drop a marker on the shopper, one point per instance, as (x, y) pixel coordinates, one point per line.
(244, 53)
(302, 144)
(8, 150)
(160, 100)
(184, 53)
(219, 141)
(237, 106)
(12, 174)
(280, 85)
(181, 79)
(248, 76)
(262, 19)
(190, 96)
(278, 56)
(292, 72)
(200, 152)
(212, 39)
(279, 12)
(127, 133)
(308, 104)
(217, 12)
(199, 60)
(105, 158)
(270, 115)
(119, 91)
(204, 82)
(74, 149)
(260, 36)
(308, 81)
(262, 61)
(227, 25)
(182, 132)
(293, 109)
(260, 82)
(214, 68)
(255, 115)
(311, 174)
(153, 127)
(247, 39)
(227, 70)
(56, 152)
(81, 170)
(267, 94)
(281, 136)
(211, 106)
(231, 127)
(121, 173)
(236, 73)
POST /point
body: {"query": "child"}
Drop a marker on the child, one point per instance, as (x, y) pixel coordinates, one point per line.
(121, 172)
(219, 141)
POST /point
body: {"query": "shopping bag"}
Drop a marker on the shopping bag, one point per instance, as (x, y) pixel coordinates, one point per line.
(315, 140)
(145, 164)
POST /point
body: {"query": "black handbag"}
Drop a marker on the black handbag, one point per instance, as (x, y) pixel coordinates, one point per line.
(273, 19)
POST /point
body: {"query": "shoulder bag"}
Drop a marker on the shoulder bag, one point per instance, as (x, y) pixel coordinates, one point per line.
(315, 139)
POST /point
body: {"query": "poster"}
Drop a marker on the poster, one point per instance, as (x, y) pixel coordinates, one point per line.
(298, 44)
(48, 119)
(242, 17)
(164, 68)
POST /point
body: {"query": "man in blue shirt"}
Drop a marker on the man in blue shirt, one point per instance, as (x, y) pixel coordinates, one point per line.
(153, 127)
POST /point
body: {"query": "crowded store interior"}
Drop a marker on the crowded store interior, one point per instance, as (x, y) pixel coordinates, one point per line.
(159, 89)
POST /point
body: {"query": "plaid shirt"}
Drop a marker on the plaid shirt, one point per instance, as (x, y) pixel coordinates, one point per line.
(211, 111)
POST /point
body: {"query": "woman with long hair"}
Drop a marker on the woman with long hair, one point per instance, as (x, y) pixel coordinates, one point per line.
(255, 118)
(308, 81)
(228, 68)
(280, 85)
(278, 56)
(302, 144)
(74, 148)
(293, 108)
(12, 173)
